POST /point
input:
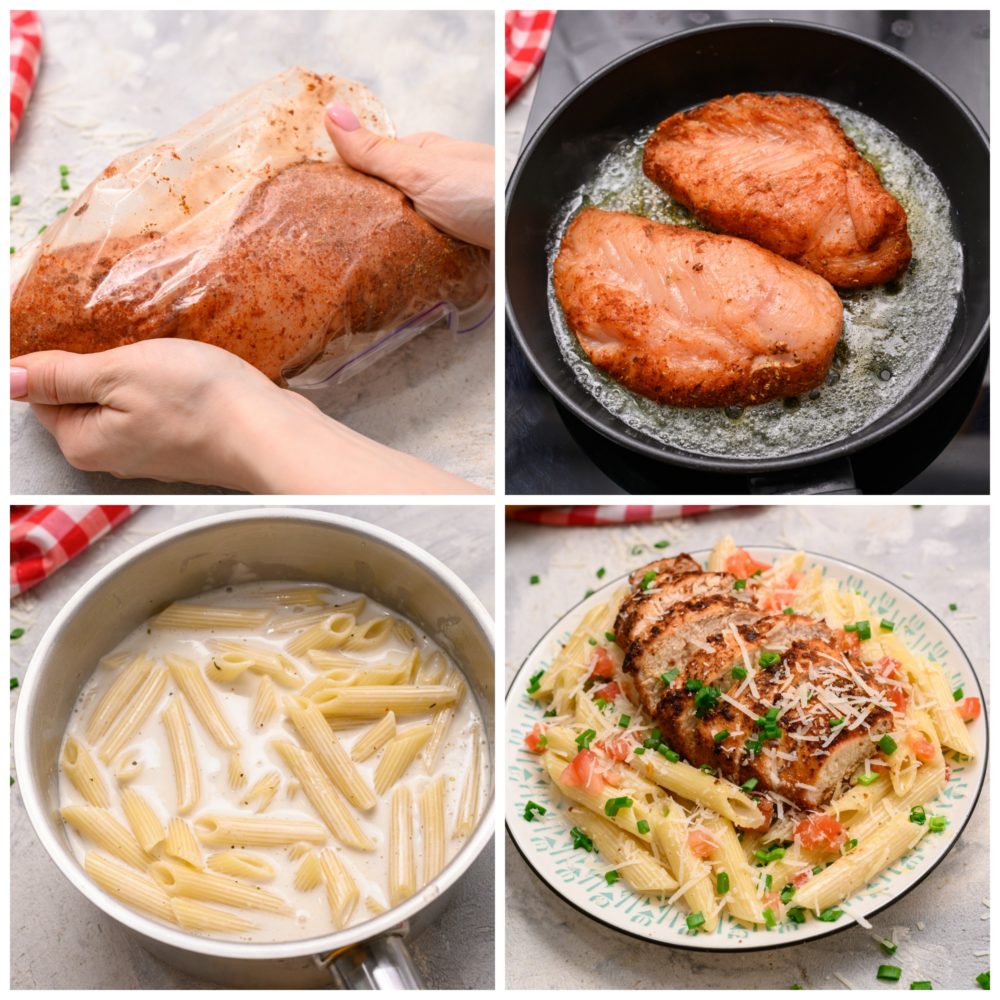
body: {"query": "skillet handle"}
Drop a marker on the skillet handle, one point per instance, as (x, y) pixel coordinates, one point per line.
(835, 476)
(381, 963)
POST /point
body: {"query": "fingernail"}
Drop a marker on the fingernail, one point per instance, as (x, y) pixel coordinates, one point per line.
(18, 382)
(343, 117)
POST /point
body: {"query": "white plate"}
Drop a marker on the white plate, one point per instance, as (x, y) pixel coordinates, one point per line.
(578, 876)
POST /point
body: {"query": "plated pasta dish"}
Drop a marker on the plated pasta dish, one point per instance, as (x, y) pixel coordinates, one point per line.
(271, 761)
(746, 742)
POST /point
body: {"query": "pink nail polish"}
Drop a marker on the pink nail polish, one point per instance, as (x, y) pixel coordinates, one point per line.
(343, 117)
(18, 382)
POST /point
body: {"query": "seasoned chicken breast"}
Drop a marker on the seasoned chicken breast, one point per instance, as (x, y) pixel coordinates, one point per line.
(316, 252)
(709, 669)
(780, 171)
(689, 318)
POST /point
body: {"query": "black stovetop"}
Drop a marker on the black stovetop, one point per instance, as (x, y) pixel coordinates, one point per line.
(944, 451)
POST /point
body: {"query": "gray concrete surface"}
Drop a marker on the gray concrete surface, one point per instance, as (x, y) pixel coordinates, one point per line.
(60, 941)
(938, 554)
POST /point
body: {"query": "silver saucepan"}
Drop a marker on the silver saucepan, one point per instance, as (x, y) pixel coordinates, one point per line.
(277, 544)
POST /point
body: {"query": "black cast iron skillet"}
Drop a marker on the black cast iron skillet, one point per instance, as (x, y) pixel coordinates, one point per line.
(645, 86)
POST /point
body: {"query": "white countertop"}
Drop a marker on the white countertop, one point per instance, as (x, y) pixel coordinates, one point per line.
(550, 945)
(60, 941)
(141, 75)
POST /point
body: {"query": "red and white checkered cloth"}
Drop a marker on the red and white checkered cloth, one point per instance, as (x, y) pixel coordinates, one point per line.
(527, 34)
(25, 55)
(625, 514)
(44, 538)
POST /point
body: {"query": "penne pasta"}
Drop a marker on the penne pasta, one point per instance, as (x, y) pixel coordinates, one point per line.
(309, 874)
(399, 753)
(200, 616)
(233, 657)
(139, 708)
(341, 890)
(190, 680)
(432, 827)
(127, 885)
(369, 635)
(468, 807)
(117, 697)
(240, 864)
(187, 776)
(195, 916)
(128, 768)
(181, 843)
(179, 880)
(364, 702)
(220, 831)
(374, 738)
(330, 633)
(106, 832)
(235, 771)
(442, 720)
(263, 792)
(145, 824)
(81, 769)
(265, 704)
(402, 868)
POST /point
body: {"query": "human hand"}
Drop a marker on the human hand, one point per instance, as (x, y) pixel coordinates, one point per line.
(183, 411)
(450, 182)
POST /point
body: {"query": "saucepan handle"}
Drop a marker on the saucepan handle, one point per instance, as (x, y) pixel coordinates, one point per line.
(381, 963)
(834, 476)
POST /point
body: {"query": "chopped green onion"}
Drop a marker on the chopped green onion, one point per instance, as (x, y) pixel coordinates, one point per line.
(958, 694)
(592, 641)
(868, 779)
(864, 629)
(613, 806)
(953, 607)
(41, 229)
(768, 882)
(693, 684)
(918, 815)
(753, 746)
(837, 722)
(664, 751)
(62, 210)
(830, 914)
(739, 584)
(600, 573)
(639, 751)
(16, 633)
(817, 869)
(14, 682)
(740, 673)
(589, 593)
(772, 713)
(889, 972)
(789, 611)
(549, 714)
(610, 636)
(15, 199)
(851, 628)
(64, 184)
(787, 893)
(886, 625)
(601, 704)
(647, 578)
(670, 676)
(722, 883)
(797, 915)
(769, 920)
(921, 984)
(611, 877)
(749, 785)
(583, 740)
(775, 854)
(12, 250)
(937, 824)
(852, 843)
(760, 855)
(533, 682)
(769, 659)
(694, 920)
(580, 839)
(534, 580)
(705, 700)
(642, 826)
(531, 808)
(720, 735)
(63, 169)
(887, 946)
(624, 720)
(662, 544)
(637, 550)
(707, 769)
(887, 744)
(984, 980)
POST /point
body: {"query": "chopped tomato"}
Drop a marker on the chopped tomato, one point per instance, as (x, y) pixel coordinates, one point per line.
(896, 696)
(821, 833)
(888, 667)
(801, 879)
(535, 740)
(766, 807)
(783, 594)
(602, 667)
(772, 900)
(922, 749)
(581, 772)
(617, 748)
(743, 565)
(701, 844)
(609, 692)
(969, 709)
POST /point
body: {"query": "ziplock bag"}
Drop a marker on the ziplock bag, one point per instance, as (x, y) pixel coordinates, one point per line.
(244, 229)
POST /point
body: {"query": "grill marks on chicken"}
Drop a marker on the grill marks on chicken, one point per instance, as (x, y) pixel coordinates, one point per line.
(689, 318)
(317, 252)
(713, 643)
(780, 171)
